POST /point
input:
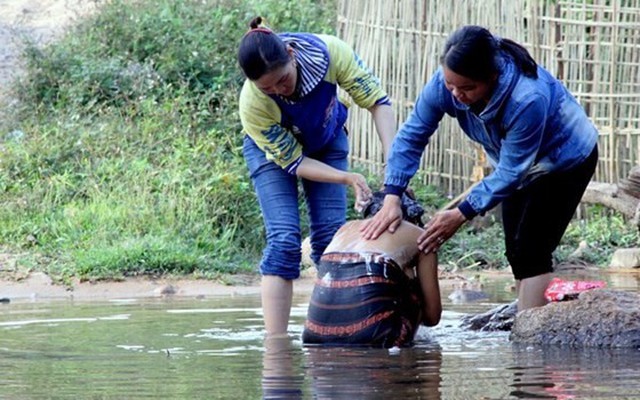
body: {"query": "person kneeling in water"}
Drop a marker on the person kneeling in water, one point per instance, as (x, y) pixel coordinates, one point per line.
(374, 292)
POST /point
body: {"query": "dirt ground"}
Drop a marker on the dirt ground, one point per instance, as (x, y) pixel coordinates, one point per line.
(41, 21)
(39, 287)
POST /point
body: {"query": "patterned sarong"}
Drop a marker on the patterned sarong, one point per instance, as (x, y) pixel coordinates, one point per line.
(362, 301)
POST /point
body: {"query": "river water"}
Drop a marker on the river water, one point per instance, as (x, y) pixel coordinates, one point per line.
(214, 349)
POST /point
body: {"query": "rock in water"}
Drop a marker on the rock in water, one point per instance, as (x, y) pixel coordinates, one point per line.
(597, 318)
(497, 319)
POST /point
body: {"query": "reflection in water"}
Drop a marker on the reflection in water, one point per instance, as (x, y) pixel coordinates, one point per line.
(563, 373)
(349, 373)
(281, 376)
(626, 281)
(364, 373)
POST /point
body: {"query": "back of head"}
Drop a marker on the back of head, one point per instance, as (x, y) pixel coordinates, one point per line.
(412, 211)
(472, 51)
(261, 51)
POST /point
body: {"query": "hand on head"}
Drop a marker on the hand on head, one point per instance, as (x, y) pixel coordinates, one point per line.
(387, 218)
(362, 192)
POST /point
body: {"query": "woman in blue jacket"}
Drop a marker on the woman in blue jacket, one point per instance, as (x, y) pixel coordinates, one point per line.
(293, 119)
(540, 141)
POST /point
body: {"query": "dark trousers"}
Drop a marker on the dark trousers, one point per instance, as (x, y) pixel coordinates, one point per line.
(535, 217)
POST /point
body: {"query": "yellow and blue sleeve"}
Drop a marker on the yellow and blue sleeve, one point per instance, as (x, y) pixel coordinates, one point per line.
(348, 70)
(260, 117)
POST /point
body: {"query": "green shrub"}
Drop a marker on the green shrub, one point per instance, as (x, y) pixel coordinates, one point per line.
(124, 157)
(603, 231)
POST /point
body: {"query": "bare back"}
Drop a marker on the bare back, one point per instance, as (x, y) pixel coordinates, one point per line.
(401, 246)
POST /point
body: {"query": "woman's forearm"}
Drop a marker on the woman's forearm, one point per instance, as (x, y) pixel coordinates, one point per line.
(317, 171)
(385, 122)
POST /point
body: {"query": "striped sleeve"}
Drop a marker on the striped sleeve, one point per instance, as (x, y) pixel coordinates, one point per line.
(351, 74)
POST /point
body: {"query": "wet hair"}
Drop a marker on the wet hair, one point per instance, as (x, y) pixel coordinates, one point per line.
(472, 51)
(412, 211)
(261, 51)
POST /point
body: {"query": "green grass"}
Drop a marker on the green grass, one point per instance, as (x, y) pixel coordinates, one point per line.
(124, 153)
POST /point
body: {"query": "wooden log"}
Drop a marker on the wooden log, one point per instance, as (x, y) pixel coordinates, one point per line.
(609, 196)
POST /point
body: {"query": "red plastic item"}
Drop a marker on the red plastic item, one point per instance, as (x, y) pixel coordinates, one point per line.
(561, 290)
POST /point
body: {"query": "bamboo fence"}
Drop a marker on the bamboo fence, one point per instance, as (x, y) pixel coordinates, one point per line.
(592, 46)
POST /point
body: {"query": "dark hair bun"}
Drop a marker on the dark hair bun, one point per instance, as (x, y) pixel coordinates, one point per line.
(256, 22)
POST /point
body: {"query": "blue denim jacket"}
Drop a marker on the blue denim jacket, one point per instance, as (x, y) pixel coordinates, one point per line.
(530, 127)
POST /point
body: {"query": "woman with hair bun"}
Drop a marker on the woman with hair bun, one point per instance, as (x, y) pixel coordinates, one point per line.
(374, 293)
(293, 119)
(541, 143)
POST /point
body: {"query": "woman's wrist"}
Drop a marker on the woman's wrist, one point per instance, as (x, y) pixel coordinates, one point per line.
(394, 190)
(351, 178)
(392, 199)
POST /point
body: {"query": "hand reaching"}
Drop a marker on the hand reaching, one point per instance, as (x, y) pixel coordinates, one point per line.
(439, 229)
(362, 192)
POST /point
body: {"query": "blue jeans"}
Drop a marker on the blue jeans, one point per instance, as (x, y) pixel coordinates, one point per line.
(277, 193)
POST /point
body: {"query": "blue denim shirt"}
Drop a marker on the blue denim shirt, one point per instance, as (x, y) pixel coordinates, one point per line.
(530, 127)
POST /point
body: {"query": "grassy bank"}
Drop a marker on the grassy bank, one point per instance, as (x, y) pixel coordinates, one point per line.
(123, 154)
